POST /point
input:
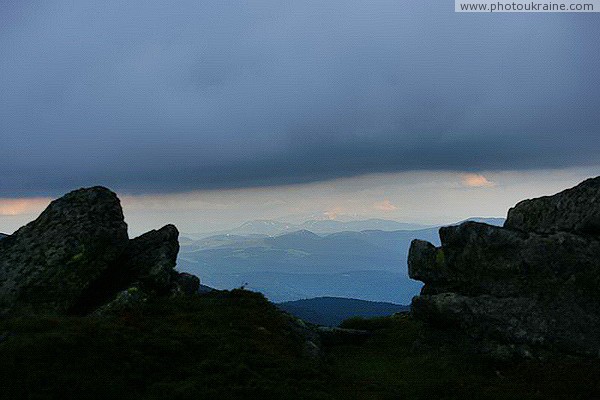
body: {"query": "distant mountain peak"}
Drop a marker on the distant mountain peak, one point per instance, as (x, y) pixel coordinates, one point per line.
(261, 222)
(301, 233)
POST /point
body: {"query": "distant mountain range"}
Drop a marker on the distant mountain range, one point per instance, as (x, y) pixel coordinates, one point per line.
(331, 311)
(367, 265)
(273, 228)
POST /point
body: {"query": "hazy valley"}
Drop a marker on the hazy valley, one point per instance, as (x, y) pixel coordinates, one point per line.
(288, 266)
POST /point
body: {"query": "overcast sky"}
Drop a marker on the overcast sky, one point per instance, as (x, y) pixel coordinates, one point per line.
(168, 97)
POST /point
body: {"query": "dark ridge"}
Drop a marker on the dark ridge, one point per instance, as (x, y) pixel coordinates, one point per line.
(202, 289)
(331, 311)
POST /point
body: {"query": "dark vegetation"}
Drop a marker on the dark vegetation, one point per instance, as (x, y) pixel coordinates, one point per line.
(228, 345)
(224, 343)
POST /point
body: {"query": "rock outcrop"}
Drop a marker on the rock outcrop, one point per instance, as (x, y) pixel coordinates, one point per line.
(188, 284)
(152, 258)
(532, 284)
(575, 210)
(76, 256)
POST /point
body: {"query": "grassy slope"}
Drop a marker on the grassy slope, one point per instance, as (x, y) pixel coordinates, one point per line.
(237, 345)
(204, 347)
(407, 359)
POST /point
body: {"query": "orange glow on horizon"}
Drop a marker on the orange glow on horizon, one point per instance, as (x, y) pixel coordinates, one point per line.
(12, 207)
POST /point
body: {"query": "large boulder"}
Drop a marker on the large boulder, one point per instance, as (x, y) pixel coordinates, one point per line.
(574, 210)
(152, 258)
(538, 285)
(77, 257)
(47, 264)
(146, 267)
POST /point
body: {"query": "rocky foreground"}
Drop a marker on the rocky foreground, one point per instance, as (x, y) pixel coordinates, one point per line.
(77, 258)
(529, 287)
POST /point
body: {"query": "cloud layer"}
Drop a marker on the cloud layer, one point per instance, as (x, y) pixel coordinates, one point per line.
(476, 180)
(154, 96)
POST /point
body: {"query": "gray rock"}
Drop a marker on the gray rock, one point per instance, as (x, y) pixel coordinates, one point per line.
(46, 265)
(527, 320)
(483, 259)
(76, 257)
(147, 263)
(185, 283)
(125, 300)
(151, 258)
(426, 262)
(517, 287)
(574, 210)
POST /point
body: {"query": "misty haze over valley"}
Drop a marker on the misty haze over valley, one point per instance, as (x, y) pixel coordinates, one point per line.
(358, 259)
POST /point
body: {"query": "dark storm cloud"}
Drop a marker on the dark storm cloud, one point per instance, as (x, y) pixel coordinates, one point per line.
(153, 96)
